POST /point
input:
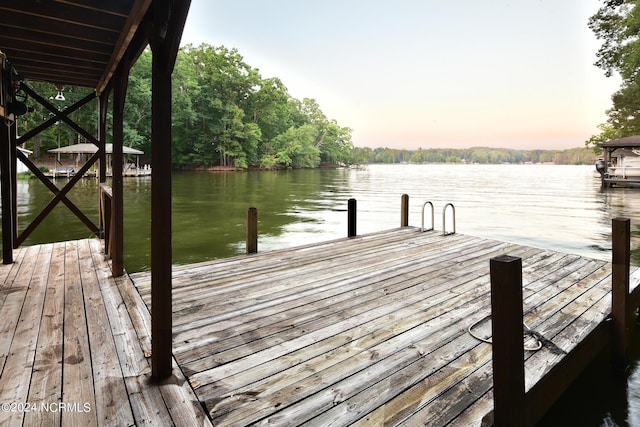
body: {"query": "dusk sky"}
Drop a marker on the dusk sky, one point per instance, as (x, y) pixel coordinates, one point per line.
(426, 73)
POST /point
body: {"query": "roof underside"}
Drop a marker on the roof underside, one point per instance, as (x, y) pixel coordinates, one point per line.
(74, 42)
(629, 141)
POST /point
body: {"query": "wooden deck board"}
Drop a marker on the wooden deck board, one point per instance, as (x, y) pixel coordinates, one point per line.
(71, 350)
(23, 302)
(303, 315)
(47, 370)
(370, 330)
(111, 398)
(77, 375)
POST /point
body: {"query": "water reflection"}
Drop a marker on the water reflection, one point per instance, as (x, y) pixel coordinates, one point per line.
(557, 207)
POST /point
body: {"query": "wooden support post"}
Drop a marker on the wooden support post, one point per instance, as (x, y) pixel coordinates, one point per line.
(117, 205)
(404, 211)
(102, 170)
(164, 29)
(351, 217)
(102, 136)
(14, 181)
(161, 322)
(621, 238)
(5, 190)
(252, 231)
(508, 349)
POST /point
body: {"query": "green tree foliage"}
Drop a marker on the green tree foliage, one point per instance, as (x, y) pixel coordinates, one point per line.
(482, 155)
(617, 25)
(226, 114)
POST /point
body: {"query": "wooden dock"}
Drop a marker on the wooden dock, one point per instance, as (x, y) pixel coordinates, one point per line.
(374, 330)
(369, 330)
(74, 345)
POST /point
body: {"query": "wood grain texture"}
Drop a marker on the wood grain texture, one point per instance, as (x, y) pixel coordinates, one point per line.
(74, 340)
(370, 330)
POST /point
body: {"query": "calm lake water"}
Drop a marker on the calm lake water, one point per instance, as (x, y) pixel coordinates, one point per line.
(556, 207)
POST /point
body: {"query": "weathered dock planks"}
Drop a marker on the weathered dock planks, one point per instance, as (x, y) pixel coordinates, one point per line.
(366, 330)
(370, 330)
(74, 347)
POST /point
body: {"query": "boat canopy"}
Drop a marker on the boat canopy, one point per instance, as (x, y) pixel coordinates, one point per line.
(87, 148)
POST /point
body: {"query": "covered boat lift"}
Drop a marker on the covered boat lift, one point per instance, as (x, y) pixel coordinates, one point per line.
(94, 44)
(620, 166)
(86, 149)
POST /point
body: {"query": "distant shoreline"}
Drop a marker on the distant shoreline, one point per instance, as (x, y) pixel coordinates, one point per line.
(480, 155)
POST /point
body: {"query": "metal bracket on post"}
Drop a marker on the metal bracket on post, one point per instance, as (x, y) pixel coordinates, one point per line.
(432, 217)
(444, 219)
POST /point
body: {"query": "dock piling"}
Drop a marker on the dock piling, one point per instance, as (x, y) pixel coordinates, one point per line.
(404, 211)
(620, 313)
(351, 220)
(7, 218)
(508, 351)
(252, 230)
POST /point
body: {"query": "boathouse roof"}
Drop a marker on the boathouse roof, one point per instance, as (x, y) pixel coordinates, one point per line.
(74, 42)
(629, 141)
(94, 44)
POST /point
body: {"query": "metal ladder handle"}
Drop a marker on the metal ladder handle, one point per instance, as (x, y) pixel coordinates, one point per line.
(432, 217)
(444, 217)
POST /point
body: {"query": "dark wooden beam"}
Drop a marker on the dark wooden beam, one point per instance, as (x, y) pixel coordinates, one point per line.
(404, 211)
(52, 50)
(508, 351)
(352, 214)
(166, 22)
(57, 115)
(102, 135)
(116, 237)
(75, 30)
(620, 314)
(60, 196)
(61, 115)
(128, 42)
(5, 171)
(64, 14)
(115, 7)
(252, 231)
(14, 181)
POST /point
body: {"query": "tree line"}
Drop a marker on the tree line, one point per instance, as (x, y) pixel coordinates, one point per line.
(482, 155)
(226, 114)
(617, 25)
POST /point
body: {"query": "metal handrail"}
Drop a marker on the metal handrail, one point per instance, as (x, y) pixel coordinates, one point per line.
(432, 217)
(444, 216)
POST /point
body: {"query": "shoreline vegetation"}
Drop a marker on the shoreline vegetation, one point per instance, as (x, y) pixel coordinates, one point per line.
(474, 155)
(478, 155)
(226, 117)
